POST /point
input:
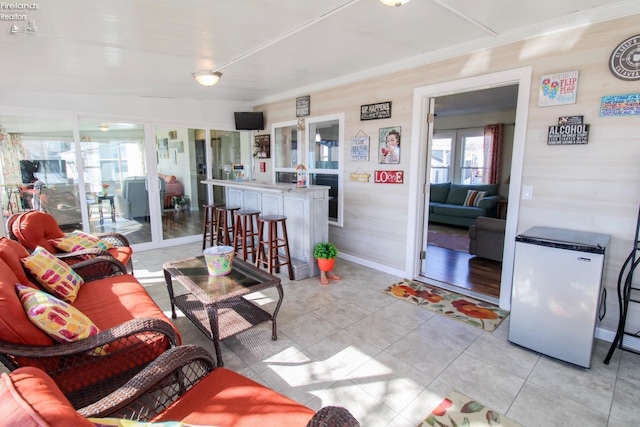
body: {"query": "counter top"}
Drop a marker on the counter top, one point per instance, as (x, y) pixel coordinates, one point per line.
(253, 185)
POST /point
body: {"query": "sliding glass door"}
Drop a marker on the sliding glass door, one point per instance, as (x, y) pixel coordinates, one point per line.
(116, 188)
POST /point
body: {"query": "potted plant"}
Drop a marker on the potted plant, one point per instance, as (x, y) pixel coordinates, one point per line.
(180, 202)
(326, 253)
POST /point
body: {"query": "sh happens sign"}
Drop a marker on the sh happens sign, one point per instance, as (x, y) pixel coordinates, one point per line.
(381, 110)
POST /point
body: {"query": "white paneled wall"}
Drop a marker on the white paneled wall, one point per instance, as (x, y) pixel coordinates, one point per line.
(588, 187)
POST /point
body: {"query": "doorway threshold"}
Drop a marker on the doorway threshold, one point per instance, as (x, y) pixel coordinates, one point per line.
(459, 290)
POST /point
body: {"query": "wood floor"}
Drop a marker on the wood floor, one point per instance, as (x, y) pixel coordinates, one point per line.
(463, 270)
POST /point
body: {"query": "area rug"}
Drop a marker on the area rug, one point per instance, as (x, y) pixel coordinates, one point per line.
(448, 237)
(459, 307)
(458, 410)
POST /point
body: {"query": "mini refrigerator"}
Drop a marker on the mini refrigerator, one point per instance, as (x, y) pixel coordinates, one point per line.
(557, 284)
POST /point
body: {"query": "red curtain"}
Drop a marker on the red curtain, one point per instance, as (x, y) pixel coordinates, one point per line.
(493, 141)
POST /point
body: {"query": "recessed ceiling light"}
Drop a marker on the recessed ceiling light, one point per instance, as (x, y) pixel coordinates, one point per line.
(207, 78)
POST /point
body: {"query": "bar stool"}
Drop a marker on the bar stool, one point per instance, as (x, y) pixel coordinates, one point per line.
(271, 258)
(209, 232)
(245, 233)
(224, 224)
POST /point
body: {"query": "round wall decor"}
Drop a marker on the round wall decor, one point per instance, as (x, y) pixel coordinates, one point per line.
(625, 59)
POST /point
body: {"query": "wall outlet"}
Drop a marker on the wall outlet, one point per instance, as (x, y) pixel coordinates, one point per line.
(527, 192)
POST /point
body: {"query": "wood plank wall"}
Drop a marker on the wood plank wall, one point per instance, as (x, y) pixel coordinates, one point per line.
(588, 187)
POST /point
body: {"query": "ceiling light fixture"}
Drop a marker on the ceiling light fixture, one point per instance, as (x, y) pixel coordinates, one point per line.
(318, 138)
(207, 78)
(396, 3)
(104, 127)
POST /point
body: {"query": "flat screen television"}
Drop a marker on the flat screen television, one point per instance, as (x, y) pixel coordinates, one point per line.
(249, 120)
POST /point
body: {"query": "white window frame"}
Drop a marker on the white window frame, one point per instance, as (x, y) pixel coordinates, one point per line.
(339, 171)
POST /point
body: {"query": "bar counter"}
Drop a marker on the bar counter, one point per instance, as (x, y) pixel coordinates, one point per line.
(306, 209)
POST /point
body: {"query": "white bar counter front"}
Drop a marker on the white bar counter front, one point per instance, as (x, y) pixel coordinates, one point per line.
(306, 209)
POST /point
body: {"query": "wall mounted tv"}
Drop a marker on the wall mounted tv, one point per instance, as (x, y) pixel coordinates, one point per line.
(249, 120)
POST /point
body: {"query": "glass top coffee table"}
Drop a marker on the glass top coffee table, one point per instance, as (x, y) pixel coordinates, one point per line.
(216, 304)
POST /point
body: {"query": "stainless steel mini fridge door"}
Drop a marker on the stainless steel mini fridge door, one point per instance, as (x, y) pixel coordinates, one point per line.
(554, 302)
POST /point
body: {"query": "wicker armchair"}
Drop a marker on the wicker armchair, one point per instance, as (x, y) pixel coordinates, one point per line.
(35, 228)
(82, 376)
(164, 388)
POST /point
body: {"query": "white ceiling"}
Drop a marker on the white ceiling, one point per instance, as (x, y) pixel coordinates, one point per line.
(265, 49)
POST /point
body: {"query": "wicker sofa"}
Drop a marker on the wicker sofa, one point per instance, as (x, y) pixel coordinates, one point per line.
(133, 330)
(447, 203)
(182, 385)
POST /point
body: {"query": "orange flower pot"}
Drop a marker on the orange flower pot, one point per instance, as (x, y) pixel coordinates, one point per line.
(326, 264)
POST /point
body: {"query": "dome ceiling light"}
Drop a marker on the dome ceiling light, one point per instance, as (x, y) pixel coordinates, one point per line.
(207, 78)
(396, 3)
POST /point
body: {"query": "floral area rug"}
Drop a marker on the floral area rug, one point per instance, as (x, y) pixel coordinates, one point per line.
(458, 410)
(469, 310)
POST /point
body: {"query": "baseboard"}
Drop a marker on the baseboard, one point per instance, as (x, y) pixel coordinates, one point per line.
(605, 334)
(371, 264)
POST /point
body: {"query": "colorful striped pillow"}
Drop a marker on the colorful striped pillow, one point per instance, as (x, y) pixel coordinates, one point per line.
(59, 320)
(474, 197)
(78, 241)
(55, 275)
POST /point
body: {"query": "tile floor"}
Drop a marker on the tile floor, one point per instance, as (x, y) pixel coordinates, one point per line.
(390, 362)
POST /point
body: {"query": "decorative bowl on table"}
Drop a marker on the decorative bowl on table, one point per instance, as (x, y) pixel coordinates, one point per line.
(219, 259)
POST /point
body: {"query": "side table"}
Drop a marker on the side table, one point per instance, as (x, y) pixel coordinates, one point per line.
(99, 199)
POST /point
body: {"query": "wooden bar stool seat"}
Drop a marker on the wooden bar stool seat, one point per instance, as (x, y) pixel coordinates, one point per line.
(271, 258)
(245, 233)
(224, 224)
(209, 231)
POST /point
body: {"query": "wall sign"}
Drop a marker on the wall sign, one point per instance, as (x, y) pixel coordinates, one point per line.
(388, 177)
(558, 89)
(624, 62)
(380, 110)
(303, 106)
(360, 148)
(262, 146)
(569, 130)
(620, 105)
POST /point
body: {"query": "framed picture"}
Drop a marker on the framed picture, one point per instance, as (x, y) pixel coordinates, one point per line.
(389, 145)
(163, 148)
(262, 146)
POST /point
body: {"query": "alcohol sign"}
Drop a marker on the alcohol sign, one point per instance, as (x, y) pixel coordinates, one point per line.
(388, 177)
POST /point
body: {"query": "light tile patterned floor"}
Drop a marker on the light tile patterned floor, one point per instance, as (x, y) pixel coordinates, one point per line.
(390, 362)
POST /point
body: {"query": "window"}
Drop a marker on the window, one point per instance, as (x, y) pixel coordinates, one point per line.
(325, 165)
(472, 168)
(319, 149)
(441, 155)
(458, 157)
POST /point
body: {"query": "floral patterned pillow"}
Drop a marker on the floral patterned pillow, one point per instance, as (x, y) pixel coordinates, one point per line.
(53, 274)
(77, 241)
(59, 320)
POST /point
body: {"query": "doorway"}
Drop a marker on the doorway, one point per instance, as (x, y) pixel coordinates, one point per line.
(424, 108)
(460, 251)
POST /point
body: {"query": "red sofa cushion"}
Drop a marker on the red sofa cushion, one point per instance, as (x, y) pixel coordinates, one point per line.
(11, 252)
(28, 397)
(114, 300)
(15, 326)
(35, 228)
(226, 398)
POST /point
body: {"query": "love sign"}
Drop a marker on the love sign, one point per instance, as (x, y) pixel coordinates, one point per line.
(388, 177)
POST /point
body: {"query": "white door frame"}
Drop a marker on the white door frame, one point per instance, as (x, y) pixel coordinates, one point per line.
(419, 165)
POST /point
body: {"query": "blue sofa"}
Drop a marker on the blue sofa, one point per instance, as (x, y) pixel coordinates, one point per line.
(446, 203)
